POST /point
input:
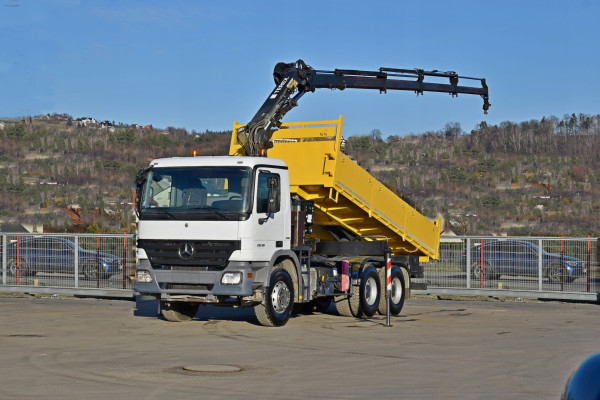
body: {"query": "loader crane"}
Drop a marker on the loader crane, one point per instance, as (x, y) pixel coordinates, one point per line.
(294, 80)
(286, 219)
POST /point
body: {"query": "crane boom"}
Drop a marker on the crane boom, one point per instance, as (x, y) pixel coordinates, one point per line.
(293, 80)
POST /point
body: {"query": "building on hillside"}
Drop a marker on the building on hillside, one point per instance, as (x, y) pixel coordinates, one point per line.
(85, 121)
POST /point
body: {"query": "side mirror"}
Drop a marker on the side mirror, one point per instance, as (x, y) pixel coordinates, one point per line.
(273, 185)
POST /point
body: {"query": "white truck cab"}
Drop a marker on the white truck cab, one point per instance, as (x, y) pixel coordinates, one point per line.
(212, 228)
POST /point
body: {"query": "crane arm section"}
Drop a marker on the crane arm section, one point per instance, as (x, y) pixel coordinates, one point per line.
(293, 80)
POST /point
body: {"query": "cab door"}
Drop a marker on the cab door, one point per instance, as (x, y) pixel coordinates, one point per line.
(268, 214)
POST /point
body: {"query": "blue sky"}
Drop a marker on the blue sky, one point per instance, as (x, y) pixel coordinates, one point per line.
(203, 64)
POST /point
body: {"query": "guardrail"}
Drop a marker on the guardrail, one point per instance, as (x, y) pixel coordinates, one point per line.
(78, 264)
(559, 268)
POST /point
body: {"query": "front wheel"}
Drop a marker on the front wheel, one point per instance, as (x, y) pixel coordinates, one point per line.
(554, 274)
(23, 267)
(90, 271)
(276, 307)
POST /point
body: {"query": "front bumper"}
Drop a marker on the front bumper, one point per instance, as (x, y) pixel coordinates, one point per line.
(196, 283)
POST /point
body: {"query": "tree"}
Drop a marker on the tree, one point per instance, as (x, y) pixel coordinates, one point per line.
(452, 130)
(376, 136)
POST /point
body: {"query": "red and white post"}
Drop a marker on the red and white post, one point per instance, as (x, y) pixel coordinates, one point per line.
(388, 286)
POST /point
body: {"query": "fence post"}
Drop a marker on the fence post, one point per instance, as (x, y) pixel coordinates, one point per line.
(124, 260)
(540, 265)
(97, 261)
(562, 265)
(468, 261)
(18, 256)
(589, 264)
(481, 265)
(4, 265)
(76, 266)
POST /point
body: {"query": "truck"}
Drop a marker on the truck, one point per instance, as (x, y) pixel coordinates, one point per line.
(286, 222)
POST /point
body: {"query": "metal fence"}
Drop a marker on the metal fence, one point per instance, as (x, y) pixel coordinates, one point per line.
(96, 264)
(562, 268)
(104, 265)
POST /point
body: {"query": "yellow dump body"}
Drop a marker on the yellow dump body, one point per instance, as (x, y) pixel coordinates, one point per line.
(343, 192)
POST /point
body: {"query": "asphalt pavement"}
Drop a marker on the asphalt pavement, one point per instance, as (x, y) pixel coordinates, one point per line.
(67, 348)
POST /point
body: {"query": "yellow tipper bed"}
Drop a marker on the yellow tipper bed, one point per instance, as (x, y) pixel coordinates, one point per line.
(344, 192)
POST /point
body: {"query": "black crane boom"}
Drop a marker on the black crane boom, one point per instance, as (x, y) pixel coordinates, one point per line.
(293, 80)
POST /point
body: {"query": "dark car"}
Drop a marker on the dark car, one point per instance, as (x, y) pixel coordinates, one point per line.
(55, 254)
(521, 258)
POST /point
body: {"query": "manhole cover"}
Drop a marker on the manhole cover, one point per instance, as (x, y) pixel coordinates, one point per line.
(211, 368)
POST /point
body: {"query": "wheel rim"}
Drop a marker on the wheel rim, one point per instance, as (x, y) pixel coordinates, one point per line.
(554, 274)
(476, 268)
(89, 270)
(280, 297)
(371, 291)
(12, 267)
(396, 290)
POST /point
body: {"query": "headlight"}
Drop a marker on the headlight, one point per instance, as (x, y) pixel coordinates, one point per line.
(231, 278)
(143, 277)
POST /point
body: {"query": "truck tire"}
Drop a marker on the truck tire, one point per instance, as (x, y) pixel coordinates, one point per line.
(398, 293)
(370, 292)
(276, 307)
(178, 311)
(365, 297)
(349, 306)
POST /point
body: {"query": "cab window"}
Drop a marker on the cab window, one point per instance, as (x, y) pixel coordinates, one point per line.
(268, 181)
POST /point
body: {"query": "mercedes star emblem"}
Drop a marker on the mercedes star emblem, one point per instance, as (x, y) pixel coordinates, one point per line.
(186, 251)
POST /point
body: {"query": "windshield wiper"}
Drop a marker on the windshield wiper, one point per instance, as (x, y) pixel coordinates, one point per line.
(162, 211)
(214, 211)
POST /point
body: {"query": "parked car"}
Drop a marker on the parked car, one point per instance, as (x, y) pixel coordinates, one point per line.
(55, 254)
(521, 258)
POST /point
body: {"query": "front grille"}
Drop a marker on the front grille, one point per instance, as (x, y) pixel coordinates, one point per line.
(183, 267)
(185, 286)
(207, 255)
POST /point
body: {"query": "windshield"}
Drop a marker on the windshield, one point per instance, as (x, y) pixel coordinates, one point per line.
(200, 191)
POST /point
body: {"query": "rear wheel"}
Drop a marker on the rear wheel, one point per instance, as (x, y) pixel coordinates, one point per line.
(370, 292)
(177, 311)
(276, 307)
(365, 297)
(348, 306)
(398, 293)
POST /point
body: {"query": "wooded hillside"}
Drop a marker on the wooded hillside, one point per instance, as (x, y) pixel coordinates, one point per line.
(533, 177)
(69, 175)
